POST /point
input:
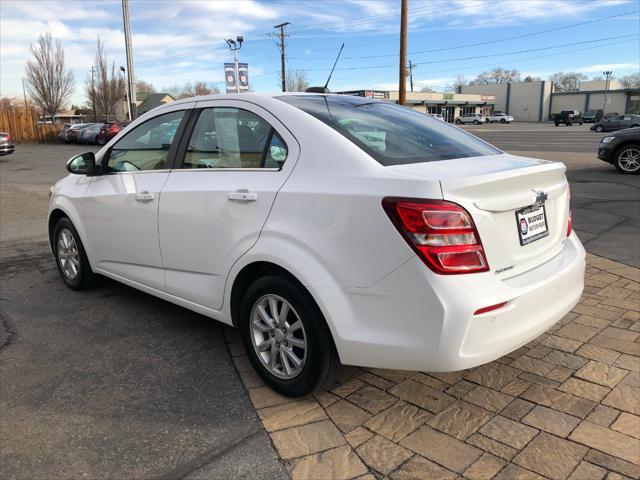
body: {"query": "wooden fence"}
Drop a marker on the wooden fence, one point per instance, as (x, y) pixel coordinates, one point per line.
(22, 124)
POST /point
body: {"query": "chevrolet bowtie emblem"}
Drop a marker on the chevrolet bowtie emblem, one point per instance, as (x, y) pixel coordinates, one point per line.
(541, 197)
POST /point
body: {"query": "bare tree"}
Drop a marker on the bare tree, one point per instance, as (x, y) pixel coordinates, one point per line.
(190, 90)
(630, 81)
(144, 87)
(426, 89)
(201, 88)
(567, 82)
(296, 81)
(48, 81)
(529, 78)
(496, 75)
(107, 89)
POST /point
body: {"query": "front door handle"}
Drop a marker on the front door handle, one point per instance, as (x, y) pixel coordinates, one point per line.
(144, 196)
(243, 196)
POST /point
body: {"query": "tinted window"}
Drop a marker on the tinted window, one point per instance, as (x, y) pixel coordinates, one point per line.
(391, 134)
(146, 147)
(226, 137)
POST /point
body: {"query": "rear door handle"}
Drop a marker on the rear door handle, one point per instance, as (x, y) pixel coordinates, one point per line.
(144, 196)
(243, 196)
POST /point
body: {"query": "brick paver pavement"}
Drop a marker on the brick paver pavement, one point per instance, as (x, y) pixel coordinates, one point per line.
(566, 405)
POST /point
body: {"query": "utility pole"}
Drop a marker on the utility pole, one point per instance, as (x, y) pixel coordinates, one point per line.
(282, 45)
(607, 75)
(411, 67)
(24, 94)
(93, 95)
(129, 51)
(126, 93)
(402, 87)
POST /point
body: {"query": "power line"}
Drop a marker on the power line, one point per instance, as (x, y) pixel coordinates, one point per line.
(488, 42)
(373, 67)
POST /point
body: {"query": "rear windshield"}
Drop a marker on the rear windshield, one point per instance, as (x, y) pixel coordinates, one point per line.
(391, 134)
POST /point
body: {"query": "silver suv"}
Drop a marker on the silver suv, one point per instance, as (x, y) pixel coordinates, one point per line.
(474, 118)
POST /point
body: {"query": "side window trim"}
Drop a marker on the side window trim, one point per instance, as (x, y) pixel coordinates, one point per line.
(171, 155)
(267, 146)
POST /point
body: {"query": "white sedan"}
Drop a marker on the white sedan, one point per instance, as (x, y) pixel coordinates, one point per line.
(500, 118)
(475, 118)
(329, 229)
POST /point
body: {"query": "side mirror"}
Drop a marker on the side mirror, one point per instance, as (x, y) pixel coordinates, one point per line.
(82, 164)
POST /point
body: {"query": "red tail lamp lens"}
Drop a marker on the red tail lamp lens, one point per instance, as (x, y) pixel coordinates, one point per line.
(441, 233)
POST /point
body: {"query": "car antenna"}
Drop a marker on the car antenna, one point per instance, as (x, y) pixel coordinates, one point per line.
(325, 89)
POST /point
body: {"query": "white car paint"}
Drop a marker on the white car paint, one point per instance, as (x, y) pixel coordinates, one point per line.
(471, 118)
(321, 219)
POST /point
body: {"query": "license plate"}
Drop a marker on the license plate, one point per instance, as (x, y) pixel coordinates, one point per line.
(532, 223)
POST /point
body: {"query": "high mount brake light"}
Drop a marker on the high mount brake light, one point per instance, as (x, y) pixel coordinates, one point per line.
(441, 233)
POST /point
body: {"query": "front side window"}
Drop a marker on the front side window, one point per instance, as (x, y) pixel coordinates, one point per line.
(391, 134)
(226, 137)
(146, 147)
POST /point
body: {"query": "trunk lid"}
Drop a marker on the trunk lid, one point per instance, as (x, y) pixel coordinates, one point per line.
(493, 189)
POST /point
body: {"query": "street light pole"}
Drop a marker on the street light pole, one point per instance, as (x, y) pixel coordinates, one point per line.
(129, 52)
(607, 75)
(402, 80)
(126, 92)
(234, 46)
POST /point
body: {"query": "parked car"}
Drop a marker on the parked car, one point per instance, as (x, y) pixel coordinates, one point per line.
(622, 150)
(592, 116)
(71, 133)
(475, 118)
(437, 116)
(109, 130)
(62, 134)
(328, 229)
(618, 122)
(6, 145)
(499, 117)
(568, 117)
(88, 134)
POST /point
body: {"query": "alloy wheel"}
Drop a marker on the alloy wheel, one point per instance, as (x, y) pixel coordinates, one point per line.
(629, 159)
(68, 255)
(278, 336)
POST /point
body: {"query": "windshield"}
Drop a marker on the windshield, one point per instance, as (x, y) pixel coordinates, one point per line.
(391, 134)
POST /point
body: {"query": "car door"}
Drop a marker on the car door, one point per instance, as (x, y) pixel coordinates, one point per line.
(233, 159)
(121, 205)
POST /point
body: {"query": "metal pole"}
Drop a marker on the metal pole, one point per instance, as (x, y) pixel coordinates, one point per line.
(93, 95)
(129, 52)
(402, 87)
(235, 61)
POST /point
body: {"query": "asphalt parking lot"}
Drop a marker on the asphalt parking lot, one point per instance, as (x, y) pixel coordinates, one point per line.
(113, 383)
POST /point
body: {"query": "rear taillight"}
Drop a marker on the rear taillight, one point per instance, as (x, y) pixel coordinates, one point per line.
(441, 233)
(8, 138)
(570, 220)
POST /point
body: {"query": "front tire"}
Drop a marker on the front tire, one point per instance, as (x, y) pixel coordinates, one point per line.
(458, 122)
(286, 337)
(71, 259)
(476, 122)
(502, 120)
(628, 159)
(599, 129)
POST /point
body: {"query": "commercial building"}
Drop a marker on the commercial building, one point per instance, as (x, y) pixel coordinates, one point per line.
(535, 101)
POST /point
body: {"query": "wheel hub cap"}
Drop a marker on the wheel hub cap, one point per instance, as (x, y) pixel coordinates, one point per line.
(629, 160)
(278, 336)
(68, 256)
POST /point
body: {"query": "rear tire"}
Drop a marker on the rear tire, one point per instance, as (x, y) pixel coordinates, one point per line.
(458, 122)
(627, 159)
(502, 120)
(557, 124)
(476, 122)
(295, 354)
(71, 259)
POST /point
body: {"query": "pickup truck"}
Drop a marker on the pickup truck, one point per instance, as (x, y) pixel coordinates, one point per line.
(568, 117)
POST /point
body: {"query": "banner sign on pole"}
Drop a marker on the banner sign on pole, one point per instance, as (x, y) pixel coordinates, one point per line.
(230, 77)
(243, 75)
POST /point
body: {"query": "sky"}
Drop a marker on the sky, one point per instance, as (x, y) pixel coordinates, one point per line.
(175, 42)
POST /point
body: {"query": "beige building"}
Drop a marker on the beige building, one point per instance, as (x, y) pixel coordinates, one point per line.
(449, 105)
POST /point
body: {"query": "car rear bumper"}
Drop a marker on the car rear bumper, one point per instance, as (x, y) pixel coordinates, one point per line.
(414, 319)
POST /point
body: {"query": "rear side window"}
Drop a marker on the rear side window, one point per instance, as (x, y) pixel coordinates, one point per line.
(391, 134)
(226, 137)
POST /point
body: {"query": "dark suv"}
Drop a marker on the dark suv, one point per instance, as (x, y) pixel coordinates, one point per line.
(108, 131)
(622, 149)
(568, 117)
